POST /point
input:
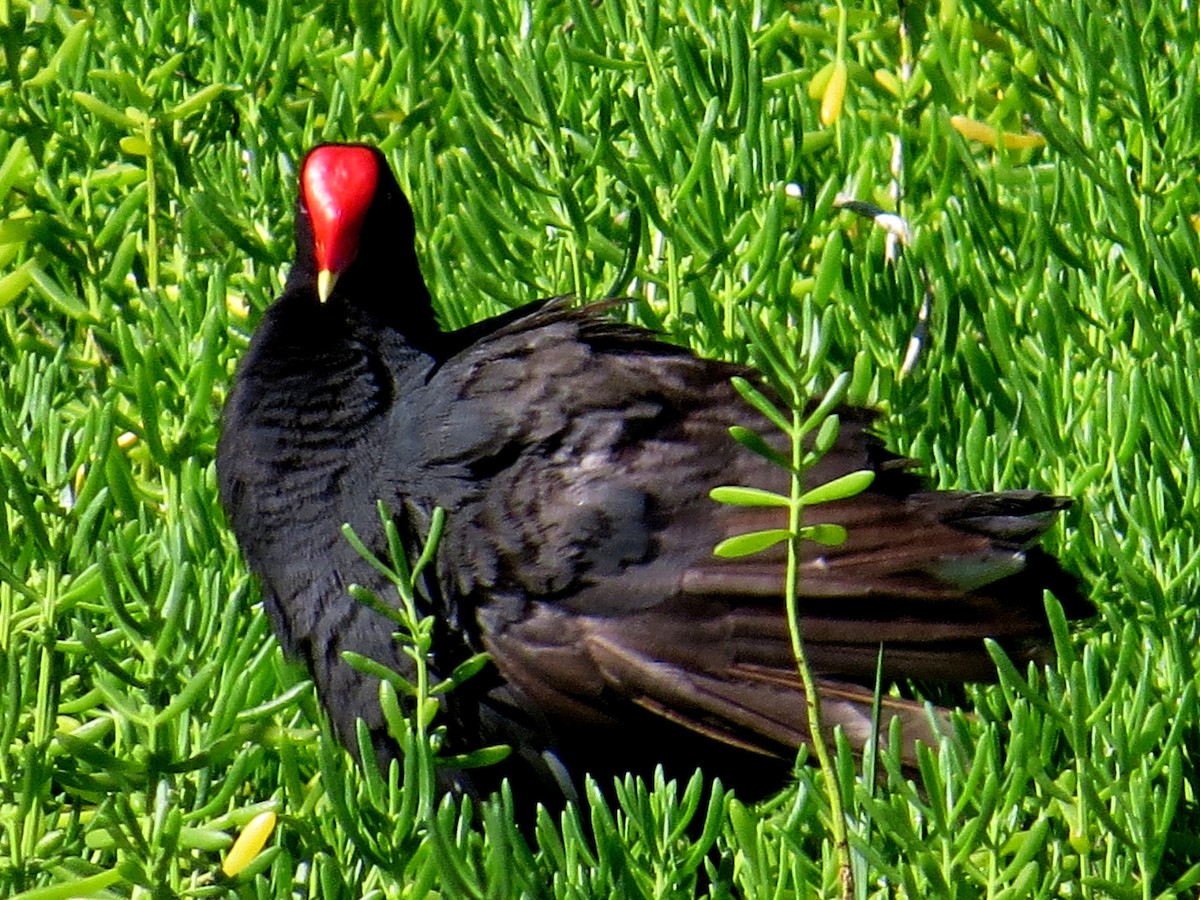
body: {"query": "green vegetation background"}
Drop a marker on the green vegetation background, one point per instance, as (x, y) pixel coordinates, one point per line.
(147, 167)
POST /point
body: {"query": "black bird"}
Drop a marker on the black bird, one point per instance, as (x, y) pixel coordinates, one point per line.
(574, 456)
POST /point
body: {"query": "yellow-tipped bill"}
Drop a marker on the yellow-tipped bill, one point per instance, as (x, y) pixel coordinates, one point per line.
(325, 282)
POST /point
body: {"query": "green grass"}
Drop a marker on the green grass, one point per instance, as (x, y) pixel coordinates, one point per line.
(147, 158)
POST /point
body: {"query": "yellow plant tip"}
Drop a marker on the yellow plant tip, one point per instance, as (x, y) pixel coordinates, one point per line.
(820, 81)
(249, 843)
(835, 94)
(136, 146)
(974, 130)
(237, 306)
(127, 440)
(1021, 141)
(888, 81)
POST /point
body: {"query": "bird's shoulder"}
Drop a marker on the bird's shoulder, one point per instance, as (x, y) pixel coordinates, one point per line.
(551, 362)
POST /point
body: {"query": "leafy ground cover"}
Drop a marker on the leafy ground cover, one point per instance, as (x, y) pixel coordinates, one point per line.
(1046, 156)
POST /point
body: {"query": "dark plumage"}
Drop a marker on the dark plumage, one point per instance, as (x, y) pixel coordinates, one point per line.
(574, 456)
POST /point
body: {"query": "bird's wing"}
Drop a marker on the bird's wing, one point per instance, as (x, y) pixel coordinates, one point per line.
(725, 678)
(581, 546)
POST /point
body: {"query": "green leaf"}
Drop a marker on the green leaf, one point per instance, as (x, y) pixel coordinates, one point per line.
(196, 102)
(754, 442)
(66, 55)
(136, 145)
(829, 270)
(748, 496)
(100, 109)
(427, 711)
(15, 282)
(53, 292)
(437, 524)
(759, 401)
(701, 162)
(462, 672)
(484, 756)
(827, 534)
(827, 434)
(839, 489)
(829, 401)
(77, 887)
(753, 542)
(371, 667)
(196, 686)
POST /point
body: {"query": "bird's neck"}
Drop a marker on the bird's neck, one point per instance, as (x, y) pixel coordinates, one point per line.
(367, 297)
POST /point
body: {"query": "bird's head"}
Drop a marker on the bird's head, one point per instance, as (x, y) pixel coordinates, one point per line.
(338, 184)
(353, 213)
(355, 240)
